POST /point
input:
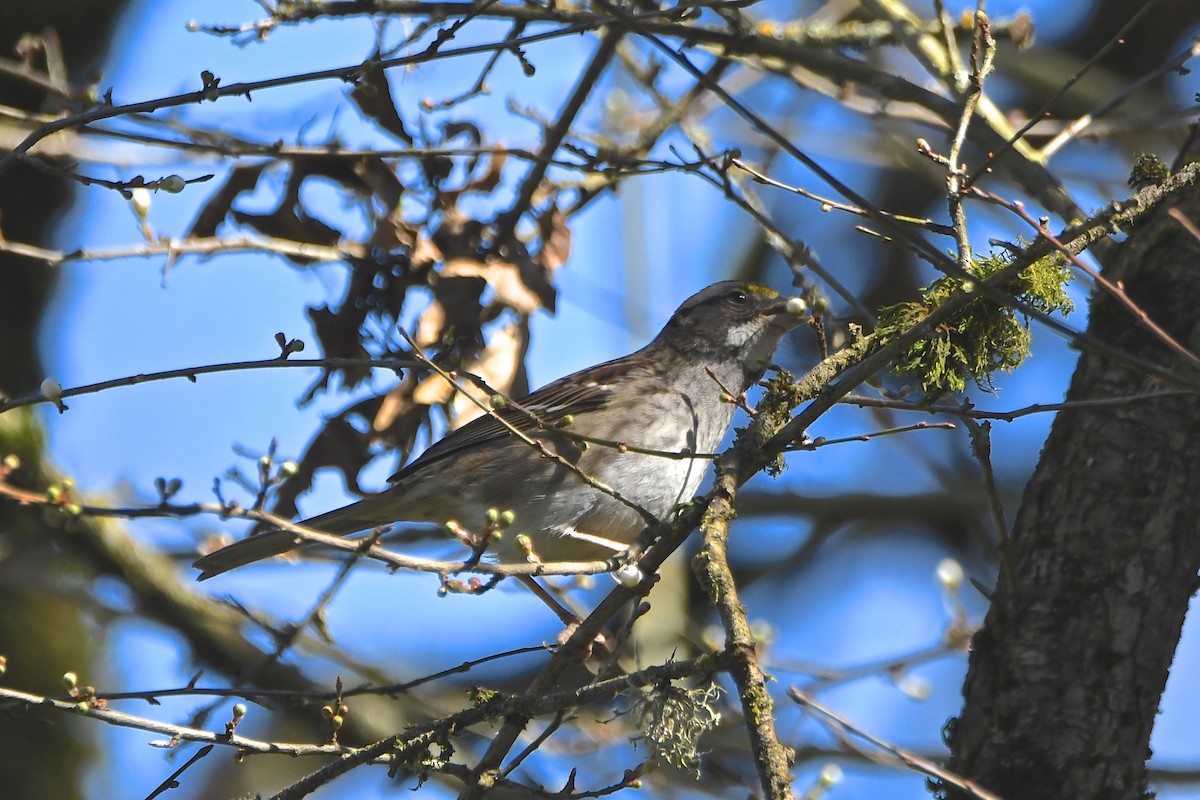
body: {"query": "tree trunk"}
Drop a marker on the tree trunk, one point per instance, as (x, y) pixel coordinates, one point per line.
(1065, 675)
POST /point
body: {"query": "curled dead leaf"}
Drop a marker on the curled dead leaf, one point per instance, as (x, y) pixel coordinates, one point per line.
(500, 365)
(503, 277)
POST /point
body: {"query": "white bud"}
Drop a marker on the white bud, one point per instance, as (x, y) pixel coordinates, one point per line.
(51, 390)
(796, 306)
(950, 574)
(830, 775)
(914, 687)
(140, 201)
(628, 576)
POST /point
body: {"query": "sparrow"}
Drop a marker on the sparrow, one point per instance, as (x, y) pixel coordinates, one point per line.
(643, 427)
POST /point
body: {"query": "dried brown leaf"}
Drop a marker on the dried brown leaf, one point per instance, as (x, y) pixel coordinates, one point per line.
(503, 277)
(338, 334)
(289, 222)
(398, 412)
(490, 179)
(381, 179)
(373, 95)
(500, 365)
(430, 325)
(244, 178)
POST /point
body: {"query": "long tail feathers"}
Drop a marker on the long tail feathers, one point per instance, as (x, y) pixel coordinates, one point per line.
(365, 514)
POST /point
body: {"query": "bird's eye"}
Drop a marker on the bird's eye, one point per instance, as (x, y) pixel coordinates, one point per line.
(738, 297)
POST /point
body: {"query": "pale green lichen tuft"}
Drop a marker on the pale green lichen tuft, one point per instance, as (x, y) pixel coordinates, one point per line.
(672, 719)
(984, 337)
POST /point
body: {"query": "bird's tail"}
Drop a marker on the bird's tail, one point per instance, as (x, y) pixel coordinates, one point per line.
(369, 513)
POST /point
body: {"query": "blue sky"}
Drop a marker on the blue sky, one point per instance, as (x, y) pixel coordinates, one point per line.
(664, 236)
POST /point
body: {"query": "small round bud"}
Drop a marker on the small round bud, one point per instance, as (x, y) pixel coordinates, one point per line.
(82, 707)
(622, 448)
(54, 494)
(763, 632)
(12, 462)
(452, 526)
(830, 774)
(914, 687)
(343, 710)
(566, 421)
(288, 469)
(51, 390)
(327, 712)
(264, 461)
(239, 710)
(497, 401)
(492, 515)
(336, 722)
(713, 637)
(628, 576)
(70, 680)
(72, 509)
(507, 517)
(140, 200)
(796, 306)
(950, 574)
(172, 184)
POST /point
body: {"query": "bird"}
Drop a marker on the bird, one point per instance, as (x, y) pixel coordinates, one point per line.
(644, 425)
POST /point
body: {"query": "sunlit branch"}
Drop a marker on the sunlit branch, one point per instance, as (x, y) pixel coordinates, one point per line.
(909, 759)
(190, 373)
(206, 246)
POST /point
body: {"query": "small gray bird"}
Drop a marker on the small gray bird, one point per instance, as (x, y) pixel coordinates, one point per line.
(664, 403)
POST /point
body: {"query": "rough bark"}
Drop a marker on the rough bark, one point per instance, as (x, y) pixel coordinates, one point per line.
(1065, 675)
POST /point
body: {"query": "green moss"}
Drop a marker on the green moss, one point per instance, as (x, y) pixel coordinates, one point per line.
(984, 337)
(782, 395)
(1148, 170)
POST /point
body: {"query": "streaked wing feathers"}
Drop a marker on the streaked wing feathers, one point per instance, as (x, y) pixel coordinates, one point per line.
(578, 393)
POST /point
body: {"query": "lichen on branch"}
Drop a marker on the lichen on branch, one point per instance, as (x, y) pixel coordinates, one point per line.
(983, 338)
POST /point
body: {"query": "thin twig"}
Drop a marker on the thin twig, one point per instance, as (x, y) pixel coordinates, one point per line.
(393, 364)
(208, 245)
(983, 51)
(1037, 116)
(909, 759)
(967, 410)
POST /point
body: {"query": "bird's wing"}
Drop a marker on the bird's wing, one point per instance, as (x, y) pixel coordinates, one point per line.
(587, 390)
